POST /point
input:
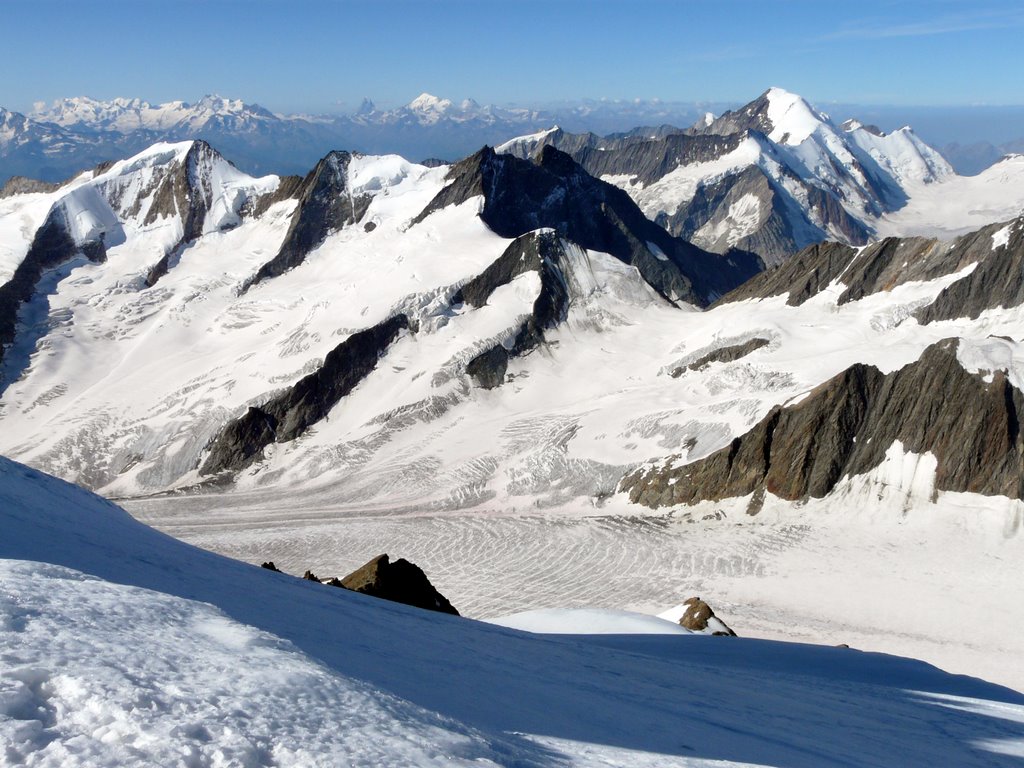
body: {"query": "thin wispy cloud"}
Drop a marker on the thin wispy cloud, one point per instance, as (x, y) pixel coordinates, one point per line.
(945, 25)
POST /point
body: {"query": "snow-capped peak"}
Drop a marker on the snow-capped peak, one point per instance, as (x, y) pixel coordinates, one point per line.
(792, 118)
(84, 110)
(426, 102)
(123, 114)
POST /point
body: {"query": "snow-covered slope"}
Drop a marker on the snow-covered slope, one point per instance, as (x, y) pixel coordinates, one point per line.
(125, 647)
(778, 175)
(959, 204)
(163, 297)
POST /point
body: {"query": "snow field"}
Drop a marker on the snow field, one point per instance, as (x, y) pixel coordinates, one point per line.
(324, 667)
(96, 673)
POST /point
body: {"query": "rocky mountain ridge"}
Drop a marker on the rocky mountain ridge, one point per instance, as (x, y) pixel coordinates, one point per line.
(773, 176)
(847, 425)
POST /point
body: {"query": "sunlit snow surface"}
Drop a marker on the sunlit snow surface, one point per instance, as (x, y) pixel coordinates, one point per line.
(960, 204)
(508, 496)
(121, 646)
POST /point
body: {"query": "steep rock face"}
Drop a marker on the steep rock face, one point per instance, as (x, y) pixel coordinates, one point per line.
(558, 263)
(845, 426)
(644, 155)
(998, 280)
(289, 188)
(544, 252)
(801, 276)
(288, 415)
(399, 581)
(753, 116)
(186, 191)
(555, 192)
(997, 249)
(325, 205)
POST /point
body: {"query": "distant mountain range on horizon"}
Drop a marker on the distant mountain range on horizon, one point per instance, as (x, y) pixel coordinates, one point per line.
(52, 142)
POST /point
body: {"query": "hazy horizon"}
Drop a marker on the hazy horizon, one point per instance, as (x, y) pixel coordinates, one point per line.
(937, 124)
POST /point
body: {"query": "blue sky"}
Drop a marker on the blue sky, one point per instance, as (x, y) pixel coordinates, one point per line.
(326, 55)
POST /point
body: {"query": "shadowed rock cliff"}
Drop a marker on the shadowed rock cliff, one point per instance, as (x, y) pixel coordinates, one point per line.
(543, 252)
(555, 192)
(881, 266)
(325, 205)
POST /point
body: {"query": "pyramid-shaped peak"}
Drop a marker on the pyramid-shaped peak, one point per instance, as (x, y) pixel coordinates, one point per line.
(781, 95)
(791, 119)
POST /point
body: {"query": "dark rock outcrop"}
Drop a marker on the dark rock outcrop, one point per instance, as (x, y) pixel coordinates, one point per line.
(326, 204)
(288, 415)
(399, 581)
(844, 428)
(288, 188)
(700, 618)
(557, 193)
(801, 276)
(891, 262)
(269, 565)
(544, 252)
(184, 190)
(725, 354)
(488, 368)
